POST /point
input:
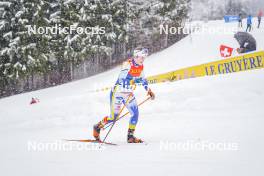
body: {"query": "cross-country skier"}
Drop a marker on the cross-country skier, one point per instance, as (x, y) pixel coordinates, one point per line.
(122, 94)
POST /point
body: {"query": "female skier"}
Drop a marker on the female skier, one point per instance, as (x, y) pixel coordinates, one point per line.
(122, 94)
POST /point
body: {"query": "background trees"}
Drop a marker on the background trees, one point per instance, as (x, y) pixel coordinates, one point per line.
(30, 61)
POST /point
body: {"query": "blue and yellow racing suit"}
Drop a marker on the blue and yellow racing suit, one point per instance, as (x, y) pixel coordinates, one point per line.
(122, 93)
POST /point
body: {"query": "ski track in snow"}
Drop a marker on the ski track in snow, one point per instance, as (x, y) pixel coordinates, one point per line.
(218, 109)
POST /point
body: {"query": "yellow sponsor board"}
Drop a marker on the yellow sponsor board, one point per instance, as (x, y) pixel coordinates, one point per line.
(231, 65)
(245, 62)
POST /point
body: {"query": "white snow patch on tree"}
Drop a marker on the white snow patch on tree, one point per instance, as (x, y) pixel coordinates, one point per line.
(7, 4)
(8, 34)
(24, 68)
(17, 65)
(19, 13)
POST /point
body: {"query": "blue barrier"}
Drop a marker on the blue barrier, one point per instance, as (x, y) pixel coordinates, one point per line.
(231, 18)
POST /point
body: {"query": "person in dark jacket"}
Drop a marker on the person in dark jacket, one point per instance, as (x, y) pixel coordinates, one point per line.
(260, 14)
(249, 23)
(240, 20)
(246, 41)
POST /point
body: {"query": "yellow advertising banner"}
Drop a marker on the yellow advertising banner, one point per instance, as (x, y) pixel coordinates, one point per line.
(240, 63)
(231, 65)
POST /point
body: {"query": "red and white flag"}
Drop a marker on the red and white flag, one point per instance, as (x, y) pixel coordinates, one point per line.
(226, 51)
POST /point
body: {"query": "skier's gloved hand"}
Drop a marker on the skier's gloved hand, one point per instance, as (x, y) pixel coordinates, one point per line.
(151, 94)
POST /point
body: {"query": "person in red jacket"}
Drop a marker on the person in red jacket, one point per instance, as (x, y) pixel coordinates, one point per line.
(34, 100)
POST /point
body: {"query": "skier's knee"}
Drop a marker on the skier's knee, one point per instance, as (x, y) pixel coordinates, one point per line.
(134, 113)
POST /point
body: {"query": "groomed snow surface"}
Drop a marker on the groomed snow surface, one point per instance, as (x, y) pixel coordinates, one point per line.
(209, 126)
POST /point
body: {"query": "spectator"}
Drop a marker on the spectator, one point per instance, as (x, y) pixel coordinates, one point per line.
(34, 100)
(240, 20)
(247, 42)
(260, 14)
(249, 23)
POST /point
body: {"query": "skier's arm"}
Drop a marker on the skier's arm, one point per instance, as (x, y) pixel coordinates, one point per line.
(124, 71)
(122, 78)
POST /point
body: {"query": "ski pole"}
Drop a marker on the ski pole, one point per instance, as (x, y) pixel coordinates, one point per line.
(127, 112)
(118, 115)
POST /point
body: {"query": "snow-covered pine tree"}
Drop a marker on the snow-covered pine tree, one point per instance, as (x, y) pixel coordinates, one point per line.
(118, 33)
(173, 13)
(13, 66)
(5, 37)
(38, 49)
(68, 45)
(24, 53)
(95, 14)
(108, 22)
(125, 23)
(150, 15)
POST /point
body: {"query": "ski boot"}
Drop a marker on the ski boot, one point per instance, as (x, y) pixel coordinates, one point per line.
(96, 131)
(131, 138)
(97, 128)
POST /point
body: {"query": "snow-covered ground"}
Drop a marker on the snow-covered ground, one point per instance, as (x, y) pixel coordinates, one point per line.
(203, 126)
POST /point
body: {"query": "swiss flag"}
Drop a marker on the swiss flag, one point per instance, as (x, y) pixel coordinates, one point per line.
(226, 51)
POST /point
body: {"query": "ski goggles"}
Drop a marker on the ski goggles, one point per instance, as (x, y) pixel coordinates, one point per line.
(141, 52)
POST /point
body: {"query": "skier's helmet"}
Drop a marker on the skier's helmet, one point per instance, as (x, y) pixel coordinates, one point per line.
(140, 52)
